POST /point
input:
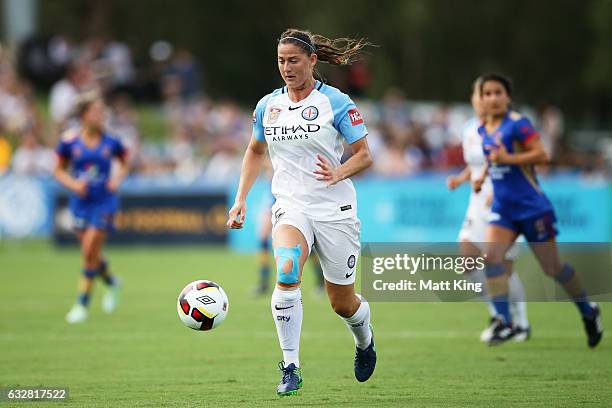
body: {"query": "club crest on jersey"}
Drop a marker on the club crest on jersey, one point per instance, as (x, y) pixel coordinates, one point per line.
(351, 262)
(310, 113)
(106, 153)
(355, 117)
(76, 151)
(275, 111)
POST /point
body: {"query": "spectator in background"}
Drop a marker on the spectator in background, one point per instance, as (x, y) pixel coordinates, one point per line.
(15, 107)
(183, 151)
(31, 158)
(172, 105)
(118, 58)
(64, 93)
(184, 66)
(359, 78)
(229, 132)
(394, 161)
(5, 154)
(122, 121)
(551, 124)
(395, 116)
(437, 135)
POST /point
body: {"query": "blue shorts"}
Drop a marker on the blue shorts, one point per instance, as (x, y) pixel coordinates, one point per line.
(99, 214)
(539, 228)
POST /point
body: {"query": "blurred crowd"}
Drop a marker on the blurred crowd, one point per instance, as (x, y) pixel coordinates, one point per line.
(204, 137)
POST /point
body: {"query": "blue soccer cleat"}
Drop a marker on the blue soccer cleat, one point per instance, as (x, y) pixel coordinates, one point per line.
(291, 380)
(365, 361)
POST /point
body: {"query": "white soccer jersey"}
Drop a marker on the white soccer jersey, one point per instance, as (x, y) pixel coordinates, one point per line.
(472, 148)
(295, 134)
(478, 210)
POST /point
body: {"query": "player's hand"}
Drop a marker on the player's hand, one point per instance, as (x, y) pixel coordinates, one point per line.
(489, 201)
(326, 172)
(452, 182)
(477, 184)
(237, 215)
(113, 185)
(499, 154)
(80, 188)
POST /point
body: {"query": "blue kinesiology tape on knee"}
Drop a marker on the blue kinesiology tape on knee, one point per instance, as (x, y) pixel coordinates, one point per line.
(494, 270)
(288, 254)
(565, 275)
(89, 273)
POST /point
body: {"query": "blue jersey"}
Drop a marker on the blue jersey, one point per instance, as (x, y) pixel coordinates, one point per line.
(92, 165)
(517, 195)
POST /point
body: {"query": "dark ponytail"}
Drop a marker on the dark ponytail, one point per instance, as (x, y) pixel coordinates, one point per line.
(339, 51)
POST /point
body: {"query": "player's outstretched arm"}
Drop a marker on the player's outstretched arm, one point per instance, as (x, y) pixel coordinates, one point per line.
(65, 178)
(534, 154)
(122, 173)
(477, 184)
(454, 181)
(359, 161)
(250, 169)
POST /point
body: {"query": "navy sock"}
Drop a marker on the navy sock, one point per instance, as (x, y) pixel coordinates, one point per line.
(83, 299)
(500, 302)
(502, 307)
(264, 275)
(109, 280)
(584, 307)
(581, 301)
(106, 276)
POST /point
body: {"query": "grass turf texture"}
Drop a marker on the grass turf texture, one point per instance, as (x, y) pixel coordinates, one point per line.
(142, 355)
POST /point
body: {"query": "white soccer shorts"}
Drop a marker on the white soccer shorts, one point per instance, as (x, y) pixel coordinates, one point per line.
(335, 242)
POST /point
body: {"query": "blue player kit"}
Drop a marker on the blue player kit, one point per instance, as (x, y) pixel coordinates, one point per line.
(92, 165)
(518, 200)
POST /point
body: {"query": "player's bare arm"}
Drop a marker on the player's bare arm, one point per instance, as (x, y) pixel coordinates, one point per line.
(251, 164)
(454, 181)
(534, 154)
(359, 161)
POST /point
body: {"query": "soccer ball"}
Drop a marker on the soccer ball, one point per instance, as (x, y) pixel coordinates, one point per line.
(202, 305)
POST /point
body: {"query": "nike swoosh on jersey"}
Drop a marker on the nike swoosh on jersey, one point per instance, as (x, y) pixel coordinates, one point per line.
(348, 275)
(297, 107)
(282, 308)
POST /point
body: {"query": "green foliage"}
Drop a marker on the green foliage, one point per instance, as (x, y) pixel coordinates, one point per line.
(430, 48)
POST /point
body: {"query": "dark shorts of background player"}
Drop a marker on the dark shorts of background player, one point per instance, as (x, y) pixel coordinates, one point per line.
(99, 214)
(539, 228)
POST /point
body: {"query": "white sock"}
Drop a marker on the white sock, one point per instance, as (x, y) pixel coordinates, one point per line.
(288, 313)
(516, 297)
(359, 324)
(478, 276)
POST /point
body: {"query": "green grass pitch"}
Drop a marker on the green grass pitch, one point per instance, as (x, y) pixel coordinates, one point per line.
(142, 356)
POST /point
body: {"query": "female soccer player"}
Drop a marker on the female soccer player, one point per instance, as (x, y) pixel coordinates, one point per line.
(473, 230)
(93, 202)
(303, 125)
(513, 147)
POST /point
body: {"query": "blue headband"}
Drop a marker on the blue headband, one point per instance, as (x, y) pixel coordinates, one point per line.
(312, 47)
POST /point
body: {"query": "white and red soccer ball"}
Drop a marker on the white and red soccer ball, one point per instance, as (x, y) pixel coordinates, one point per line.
(202, 305)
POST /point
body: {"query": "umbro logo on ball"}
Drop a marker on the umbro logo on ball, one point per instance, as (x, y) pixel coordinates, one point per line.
(207, 300)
